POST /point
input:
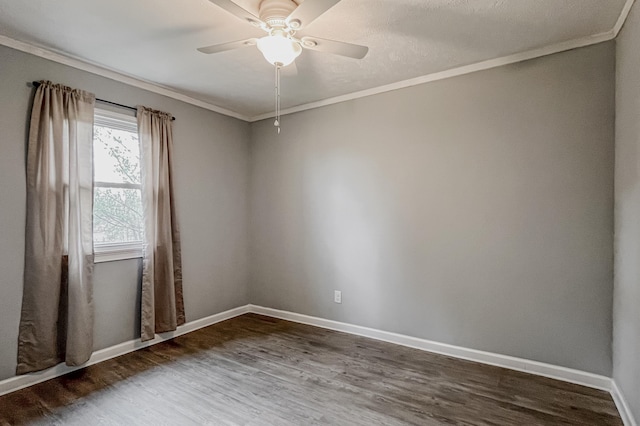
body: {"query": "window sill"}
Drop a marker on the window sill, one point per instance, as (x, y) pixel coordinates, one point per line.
(113, 252)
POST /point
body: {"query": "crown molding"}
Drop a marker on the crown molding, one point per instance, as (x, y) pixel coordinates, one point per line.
(623, 17)
(454, 72)
(103, 71)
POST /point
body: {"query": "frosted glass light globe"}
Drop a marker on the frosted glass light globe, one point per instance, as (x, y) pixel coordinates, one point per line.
(278, 49)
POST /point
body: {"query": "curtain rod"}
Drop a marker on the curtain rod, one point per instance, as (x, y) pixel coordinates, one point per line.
(37, 83)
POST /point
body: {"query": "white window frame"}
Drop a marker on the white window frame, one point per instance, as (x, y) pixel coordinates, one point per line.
(108, 252)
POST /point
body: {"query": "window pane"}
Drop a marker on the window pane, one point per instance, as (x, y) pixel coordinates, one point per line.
(117, 211)
(116, 155)
(117, 215)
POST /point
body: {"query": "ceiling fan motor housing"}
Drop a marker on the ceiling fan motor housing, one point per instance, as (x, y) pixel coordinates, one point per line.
(274, 12)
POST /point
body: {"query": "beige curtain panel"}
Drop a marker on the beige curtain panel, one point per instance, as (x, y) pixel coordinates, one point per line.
(162, 302)
(56, 322)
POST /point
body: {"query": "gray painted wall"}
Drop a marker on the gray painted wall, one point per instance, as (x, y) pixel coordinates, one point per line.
(626, 319)
(211, 176)
(475, 211)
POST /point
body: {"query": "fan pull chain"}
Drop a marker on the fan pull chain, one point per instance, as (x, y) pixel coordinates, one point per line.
(277, 122)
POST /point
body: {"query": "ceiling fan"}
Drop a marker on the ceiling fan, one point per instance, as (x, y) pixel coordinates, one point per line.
(281, 20)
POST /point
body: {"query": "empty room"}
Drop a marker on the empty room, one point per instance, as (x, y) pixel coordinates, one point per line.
(299, 212)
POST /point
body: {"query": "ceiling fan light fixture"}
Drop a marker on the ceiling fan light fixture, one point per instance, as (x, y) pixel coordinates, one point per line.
(282, 19)
(278, 49)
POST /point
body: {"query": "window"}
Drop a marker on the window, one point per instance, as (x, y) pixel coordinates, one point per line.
(117, 202)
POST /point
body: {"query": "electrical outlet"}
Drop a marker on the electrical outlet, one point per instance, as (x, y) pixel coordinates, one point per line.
(337, 296)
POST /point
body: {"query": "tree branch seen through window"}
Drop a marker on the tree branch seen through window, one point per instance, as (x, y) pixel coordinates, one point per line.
(117, 190)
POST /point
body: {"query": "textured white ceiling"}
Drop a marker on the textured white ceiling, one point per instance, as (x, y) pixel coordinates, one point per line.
(156, 40)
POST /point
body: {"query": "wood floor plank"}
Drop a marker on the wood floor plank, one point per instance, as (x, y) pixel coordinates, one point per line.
(254, 370)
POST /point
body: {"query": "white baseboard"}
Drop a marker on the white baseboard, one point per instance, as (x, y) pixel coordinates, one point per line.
(534, 367)
(18, 382)
(623, 407)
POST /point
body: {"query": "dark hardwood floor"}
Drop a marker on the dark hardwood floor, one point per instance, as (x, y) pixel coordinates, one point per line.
(255, 370)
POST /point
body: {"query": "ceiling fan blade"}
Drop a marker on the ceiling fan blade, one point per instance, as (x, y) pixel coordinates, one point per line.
(238, 11)
(308, 11)
(216, 48)
(336, 47)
